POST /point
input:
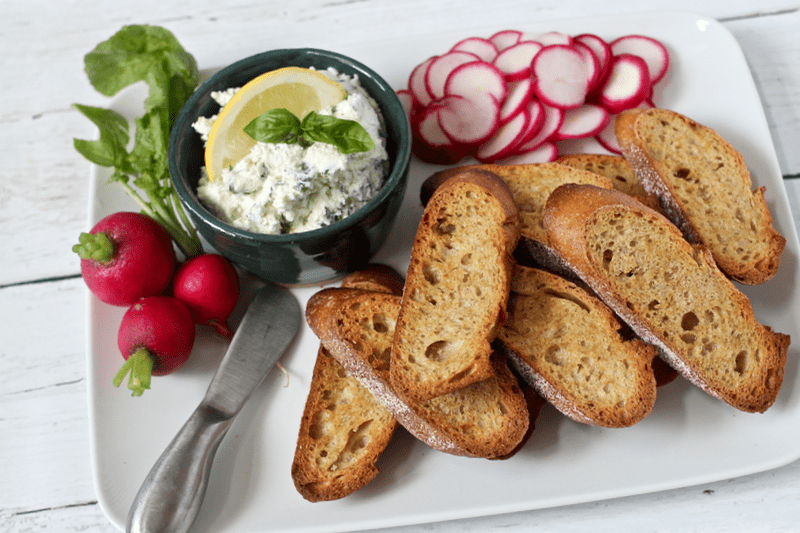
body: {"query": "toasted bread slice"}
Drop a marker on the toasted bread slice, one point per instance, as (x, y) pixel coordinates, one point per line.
(456, 287)
(485, 419)
(530, 185)
(617, 169)
(670, 292)
(344, 428)
(568, 345)
(704, 188)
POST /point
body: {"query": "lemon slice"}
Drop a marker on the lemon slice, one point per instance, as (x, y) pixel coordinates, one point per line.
(297, 89)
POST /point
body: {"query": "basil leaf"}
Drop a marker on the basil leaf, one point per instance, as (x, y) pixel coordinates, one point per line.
(282, 126)
(274, 126)
(347, 135)
(319, 128)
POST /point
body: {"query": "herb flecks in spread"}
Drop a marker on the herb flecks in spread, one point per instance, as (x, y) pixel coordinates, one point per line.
(299, 179)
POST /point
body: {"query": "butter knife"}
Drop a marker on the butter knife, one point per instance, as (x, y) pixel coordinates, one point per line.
(173, 491)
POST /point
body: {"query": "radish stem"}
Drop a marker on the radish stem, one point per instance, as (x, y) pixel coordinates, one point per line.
(152, 55)
(140, 366)
(97, 247)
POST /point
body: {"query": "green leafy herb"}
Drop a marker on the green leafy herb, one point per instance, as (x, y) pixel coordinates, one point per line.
(153, 55)
(282, 126)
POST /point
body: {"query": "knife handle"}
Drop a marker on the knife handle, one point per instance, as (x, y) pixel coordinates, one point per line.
(170, 496)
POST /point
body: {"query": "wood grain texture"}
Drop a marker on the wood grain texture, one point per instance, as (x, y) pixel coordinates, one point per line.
(46, 482)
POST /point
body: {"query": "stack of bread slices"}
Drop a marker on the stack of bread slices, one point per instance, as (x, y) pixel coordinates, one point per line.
(586, 283)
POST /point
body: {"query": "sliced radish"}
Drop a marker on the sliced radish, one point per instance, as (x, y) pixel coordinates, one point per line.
(594, 72)
(601, 49)
(652, 51)
(427, 126)
(627, 85)
(470, 120)
(511, 97)
(505, 140)
(537, 113)
(518, 98)
(483, 48)
(440, 68)
(474, 79)
(515, 61)
(585, 121)
(607, 138)
(552, 118)
(505, 38)
(544, 153)
(560, 76)
(553, 37)
(406, 100)
(416, 82)
(430, 143)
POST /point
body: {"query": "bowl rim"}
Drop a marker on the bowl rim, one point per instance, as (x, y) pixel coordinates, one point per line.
(399, 170)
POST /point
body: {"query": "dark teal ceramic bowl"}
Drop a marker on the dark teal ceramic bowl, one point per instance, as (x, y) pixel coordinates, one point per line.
(309, 257)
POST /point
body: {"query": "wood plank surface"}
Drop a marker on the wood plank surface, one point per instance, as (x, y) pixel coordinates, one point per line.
(45, 473)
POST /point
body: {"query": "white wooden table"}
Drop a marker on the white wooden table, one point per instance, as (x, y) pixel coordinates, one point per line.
(45, 471)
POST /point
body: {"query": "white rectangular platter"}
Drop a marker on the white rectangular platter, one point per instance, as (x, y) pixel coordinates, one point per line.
(689, 438)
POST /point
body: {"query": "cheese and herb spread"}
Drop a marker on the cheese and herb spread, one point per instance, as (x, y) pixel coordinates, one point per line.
(282, 187)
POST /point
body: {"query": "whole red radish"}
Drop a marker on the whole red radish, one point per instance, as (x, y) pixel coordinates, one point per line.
(209, 286)
(125, 257)
(155, 337)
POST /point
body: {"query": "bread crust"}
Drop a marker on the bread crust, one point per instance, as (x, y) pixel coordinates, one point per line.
(344, 428)
(682, 162)
(743, 367)
(567, 344)
(456, 288)
(344, 321)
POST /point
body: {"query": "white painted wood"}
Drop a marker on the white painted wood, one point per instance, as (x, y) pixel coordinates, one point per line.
(45, 475)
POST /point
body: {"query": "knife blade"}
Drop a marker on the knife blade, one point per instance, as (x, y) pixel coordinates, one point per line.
(173, 491)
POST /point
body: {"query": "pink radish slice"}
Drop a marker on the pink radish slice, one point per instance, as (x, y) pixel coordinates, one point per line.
(441, 67)
(476, 79)
(601, 49)
(585, 121)
(470, 121)
(536, 111)
(528, 37)
(406, 100)
(544, 153)
(479, 46)
(515, 61)
(430, 143)
(652, 51)
(428, 129)
(607, 138)
(505, 140)
(592, 65)
(553, 117)
(416, 82)
(560, 76)
(505, 38)
(519, 95)
(627, 85)
(553, 37)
